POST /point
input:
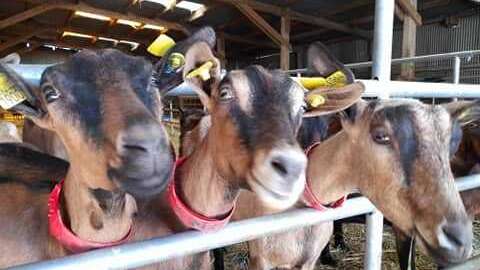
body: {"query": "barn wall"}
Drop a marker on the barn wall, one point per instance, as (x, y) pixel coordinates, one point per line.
(431, 39)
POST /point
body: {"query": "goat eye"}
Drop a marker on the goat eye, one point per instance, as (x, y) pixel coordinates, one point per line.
(380, 136)
(225, 93)
(51, 94)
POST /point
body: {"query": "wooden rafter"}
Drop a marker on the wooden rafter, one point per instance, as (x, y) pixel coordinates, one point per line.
(260, 22)
(51, 5)
(17, 40)
(298, 16)
(410, 10)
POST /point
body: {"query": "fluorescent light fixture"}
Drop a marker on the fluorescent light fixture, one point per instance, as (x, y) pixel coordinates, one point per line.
(133, 45)
(190, 6)
(114, 41)
(74, 34)
(154, 27)
(133, 24)
(168, 4)
(54, 47)
(92, 16)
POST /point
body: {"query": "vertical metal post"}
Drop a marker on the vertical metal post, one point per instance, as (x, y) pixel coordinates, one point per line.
(373, 245)
(456, 70)
(382, 40)
(381, 70)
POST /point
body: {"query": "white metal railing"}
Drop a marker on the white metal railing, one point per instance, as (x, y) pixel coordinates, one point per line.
(190, 242)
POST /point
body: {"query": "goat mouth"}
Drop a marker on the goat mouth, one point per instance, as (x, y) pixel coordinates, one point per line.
(142, 187)
(435, 253)
(268, 190)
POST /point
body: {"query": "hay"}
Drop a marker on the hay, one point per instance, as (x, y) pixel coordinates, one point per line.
(236, 256)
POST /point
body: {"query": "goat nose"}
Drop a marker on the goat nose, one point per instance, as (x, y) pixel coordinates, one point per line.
(142, 138)
(456, 236)
(289, 163)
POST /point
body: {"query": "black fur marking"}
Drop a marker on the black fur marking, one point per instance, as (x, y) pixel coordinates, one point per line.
(271, 119)
(110, 202)
(313, 129)
(402, 123)
(85, 77)
(36, 170)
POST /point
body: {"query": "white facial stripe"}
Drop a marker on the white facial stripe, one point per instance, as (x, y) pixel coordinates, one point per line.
(297, 96)
(242, 90)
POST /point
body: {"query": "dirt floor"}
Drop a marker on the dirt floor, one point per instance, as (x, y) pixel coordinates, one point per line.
(236, 257)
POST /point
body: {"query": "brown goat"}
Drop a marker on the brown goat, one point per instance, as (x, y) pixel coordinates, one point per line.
(255, 114)
(105, 110)
(396, 153)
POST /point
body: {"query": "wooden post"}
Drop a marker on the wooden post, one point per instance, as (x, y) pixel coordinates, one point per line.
(409, 45)
(285, 46)
(221, 49)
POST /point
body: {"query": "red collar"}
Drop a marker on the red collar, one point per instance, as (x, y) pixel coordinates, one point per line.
(63, 234)
(310, 198)
(188, 216)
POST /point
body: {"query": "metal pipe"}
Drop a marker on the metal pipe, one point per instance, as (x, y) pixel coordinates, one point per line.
(191, 242)
(382, 40)
(381, 71)
(419, 58)
(373, 243)
(472, 264)
(420, 89)
(456, 70)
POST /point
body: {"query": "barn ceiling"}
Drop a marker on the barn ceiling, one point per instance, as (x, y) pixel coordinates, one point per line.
(132, 25)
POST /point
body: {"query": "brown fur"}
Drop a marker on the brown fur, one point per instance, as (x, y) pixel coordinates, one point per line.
(24, 227)
(429, 201)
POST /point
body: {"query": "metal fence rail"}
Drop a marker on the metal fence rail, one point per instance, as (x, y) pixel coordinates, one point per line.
(420, 58)
(191, 242)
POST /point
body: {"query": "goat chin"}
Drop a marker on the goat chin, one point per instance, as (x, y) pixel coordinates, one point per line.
(271, 195)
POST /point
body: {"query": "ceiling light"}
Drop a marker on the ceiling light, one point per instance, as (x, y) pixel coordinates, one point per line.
(133, 45)
(168, 4)
(114, 41)
(154, 27)
(133, 24)
(191, 6)
(74, 34)
(92, 16)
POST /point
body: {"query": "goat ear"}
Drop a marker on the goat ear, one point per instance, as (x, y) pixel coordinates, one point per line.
(170, 69)
(13, 89)
(334, 99)
(465, 112)
(199, 54)
(321, 62)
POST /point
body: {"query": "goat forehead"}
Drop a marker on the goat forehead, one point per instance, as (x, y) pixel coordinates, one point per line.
(88, 79)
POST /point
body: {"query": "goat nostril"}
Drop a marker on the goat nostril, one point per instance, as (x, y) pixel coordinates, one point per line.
(452, 236)
(135, 147)
(279, 167)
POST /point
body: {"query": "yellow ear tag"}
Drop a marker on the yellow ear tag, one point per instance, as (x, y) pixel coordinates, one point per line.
(161, 45)
(315, 101)
(9, 94)
(203, 71)
(336, 79)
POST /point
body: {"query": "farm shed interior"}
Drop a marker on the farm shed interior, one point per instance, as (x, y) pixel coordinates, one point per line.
(271, 33)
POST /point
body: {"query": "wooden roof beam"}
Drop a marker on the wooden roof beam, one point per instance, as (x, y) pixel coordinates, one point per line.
(261, 23)
(27, 14)
(410, 10)
(298, 16)
(51, 5)
(17, 40)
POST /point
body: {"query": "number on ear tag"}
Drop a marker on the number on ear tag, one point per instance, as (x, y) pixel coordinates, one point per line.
(9, 94)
